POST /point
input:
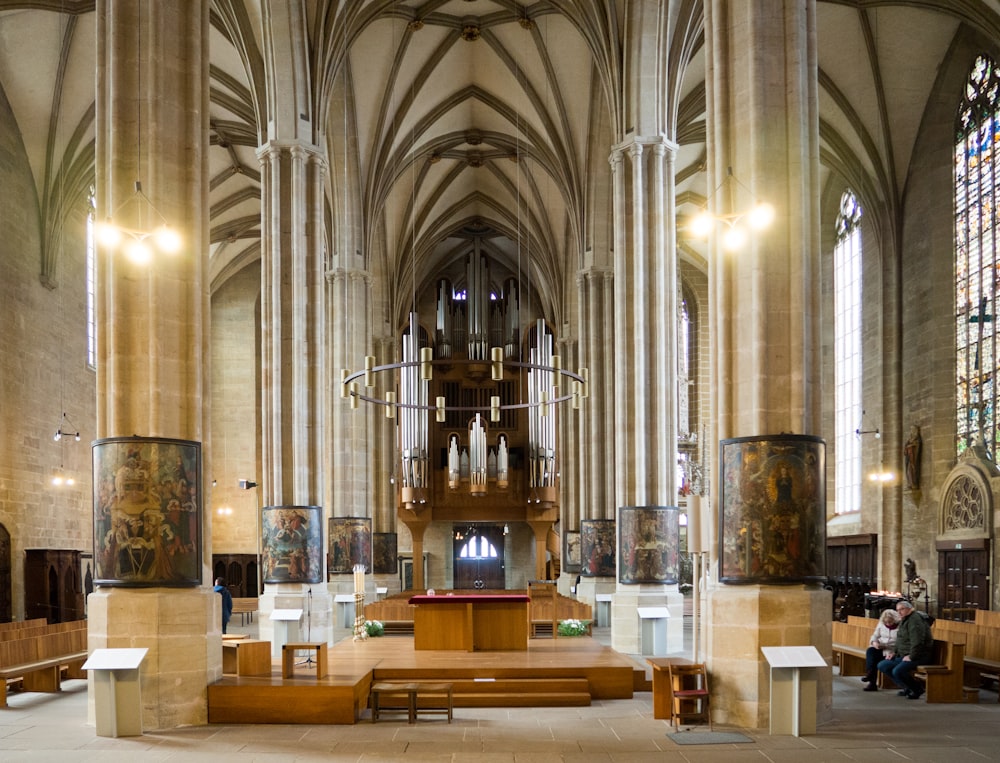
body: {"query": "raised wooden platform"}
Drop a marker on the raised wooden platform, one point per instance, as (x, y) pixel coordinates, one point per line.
(556, 672)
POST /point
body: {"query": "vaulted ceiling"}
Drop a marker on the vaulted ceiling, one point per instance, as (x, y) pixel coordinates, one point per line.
(455, 119)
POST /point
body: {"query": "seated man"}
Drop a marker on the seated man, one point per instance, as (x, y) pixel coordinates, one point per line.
(914, 647)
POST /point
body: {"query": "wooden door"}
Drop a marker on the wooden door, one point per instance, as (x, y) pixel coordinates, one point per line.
(6, 579)
(963, 584)
(479, 562)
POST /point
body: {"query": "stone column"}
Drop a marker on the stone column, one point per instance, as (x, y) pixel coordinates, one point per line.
(153, 319)
(293, 376)
(645, 296)
(596, 496)
(763, 123)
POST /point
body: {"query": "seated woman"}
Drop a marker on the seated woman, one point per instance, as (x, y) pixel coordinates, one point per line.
(881, 647)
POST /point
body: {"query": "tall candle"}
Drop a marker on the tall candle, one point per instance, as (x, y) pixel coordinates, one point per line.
(694, 524)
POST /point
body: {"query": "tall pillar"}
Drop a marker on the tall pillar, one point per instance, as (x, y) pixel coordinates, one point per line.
(153, 319)
(293, 377)
(763, 123)
(597, 413)
(294, 171)
(645, 299)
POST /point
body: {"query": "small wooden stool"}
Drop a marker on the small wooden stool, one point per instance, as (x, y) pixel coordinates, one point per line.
(288, 657)
(429, 690)
(382, 690)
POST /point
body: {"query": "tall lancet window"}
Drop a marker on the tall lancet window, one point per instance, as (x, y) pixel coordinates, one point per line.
(976, 266)
(847, 351)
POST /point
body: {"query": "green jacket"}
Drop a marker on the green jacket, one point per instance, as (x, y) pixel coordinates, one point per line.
(914, 638)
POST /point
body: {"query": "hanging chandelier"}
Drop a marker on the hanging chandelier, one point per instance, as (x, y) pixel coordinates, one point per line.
(549, 385)
(734, 227)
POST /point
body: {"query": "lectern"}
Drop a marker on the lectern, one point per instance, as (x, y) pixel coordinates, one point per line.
(283, 619)
(793, 692)
(117, 695)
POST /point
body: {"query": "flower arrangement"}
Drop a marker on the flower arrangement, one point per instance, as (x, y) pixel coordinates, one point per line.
(374, 628)
(573, 627)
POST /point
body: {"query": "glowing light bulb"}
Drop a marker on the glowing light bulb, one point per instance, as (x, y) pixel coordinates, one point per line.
(701, 224)
(734, 239)
(167, 239)
(108, 234)
(138, 252)
(761, 216)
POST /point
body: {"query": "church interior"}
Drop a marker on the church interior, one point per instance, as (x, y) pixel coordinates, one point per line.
(631, 299)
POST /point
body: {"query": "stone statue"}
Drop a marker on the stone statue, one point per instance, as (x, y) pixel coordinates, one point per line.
(911, 458)
(910, 567)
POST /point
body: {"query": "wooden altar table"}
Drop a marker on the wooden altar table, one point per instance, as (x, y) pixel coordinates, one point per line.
(478, 623)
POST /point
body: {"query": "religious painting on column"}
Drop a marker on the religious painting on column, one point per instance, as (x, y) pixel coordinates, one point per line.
(292, 541)
(350, 544)
(384, 560)
(571, 554)
(772, 509)
(147, 512)
(649, 538)
(597, 547)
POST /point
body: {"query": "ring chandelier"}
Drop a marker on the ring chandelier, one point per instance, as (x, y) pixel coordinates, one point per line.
(350, 387)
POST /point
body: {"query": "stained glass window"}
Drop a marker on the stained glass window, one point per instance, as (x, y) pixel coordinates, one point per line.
(977, 270)
(847, 351)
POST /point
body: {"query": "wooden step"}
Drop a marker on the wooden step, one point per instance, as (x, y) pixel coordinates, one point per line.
(522, 692)
(522, 686)
(534, 699)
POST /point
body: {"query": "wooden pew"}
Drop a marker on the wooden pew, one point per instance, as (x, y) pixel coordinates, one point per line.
(850, 643)
(18, 624)
(245, 607)
(39, 661)
(945, 677)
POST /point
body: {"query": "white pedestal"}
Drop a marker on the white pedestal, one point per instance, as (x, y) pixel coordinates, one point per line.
(345, 609)
(653, 627)
(117, 693)
(284, 620)
(602, 610)
(793, 688)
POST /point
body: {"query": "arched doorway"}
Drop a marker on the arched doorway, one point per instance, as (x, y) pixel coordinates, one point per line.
(479, 557)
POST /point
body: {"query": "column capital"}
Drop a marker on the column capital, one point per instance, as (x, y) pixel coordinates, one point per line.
(296, 148)
(634, 145)
(338, 275)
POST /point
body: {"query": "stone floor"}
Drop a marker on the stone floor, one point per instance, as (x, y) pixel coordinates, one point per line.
(865, 727)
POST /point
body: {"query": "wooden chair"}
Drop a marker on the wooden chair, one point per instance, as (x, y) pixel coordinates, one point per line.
(689, 692)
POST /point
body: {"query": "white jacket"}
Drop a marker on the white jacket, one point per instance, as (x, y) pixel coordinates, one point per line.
(885, 639)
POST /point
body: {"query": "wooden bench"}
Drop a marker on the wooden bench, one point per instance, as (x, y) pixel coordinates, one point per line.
(850, 647)
(412, 698)
(38, 662)
(245, 609)
(945, 677)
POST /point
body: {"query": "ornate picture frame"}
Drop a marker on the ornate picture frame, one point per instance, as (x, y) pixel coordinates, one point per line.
(147, 512)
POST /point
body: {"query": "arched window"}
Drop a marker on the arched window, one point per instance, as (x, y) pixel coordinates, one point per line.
(478, 547)
(977, 271)
(847, 353)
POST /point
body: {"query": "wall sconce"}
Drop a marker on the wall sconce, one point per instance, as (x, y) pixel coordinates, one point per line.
(735, 225)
